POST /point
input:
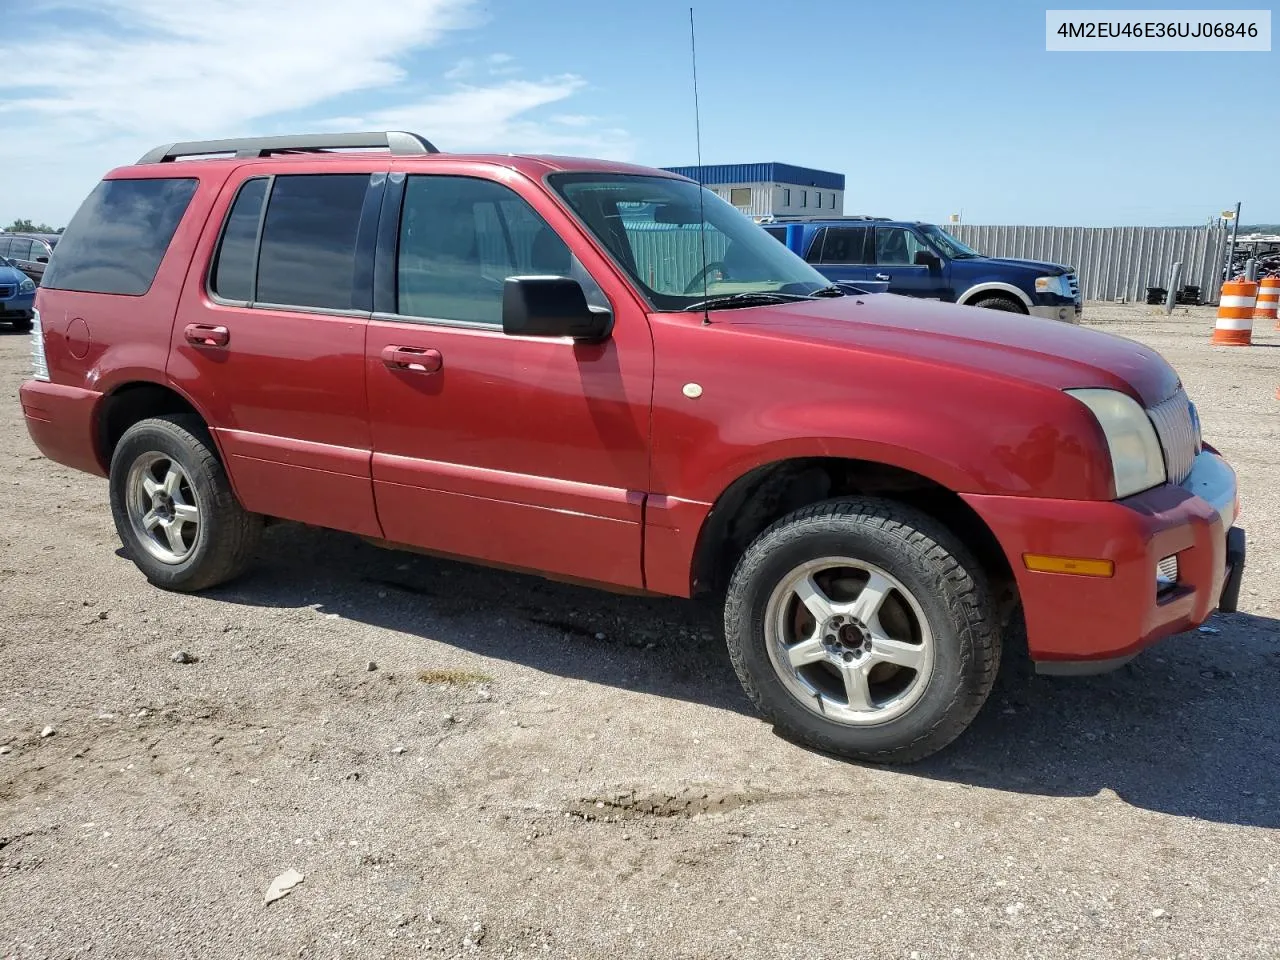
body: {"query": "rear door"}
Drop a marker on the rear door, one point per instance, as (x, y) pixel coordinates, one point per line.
(270, 337)
(522, 451)
(20, 253)
(39, 257)
(895, 253)
(841, 253)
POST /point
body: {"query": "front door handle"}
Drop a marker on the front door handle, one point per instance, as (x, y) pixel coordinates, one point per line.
(206, 335)
(413, 359)
(882, 276)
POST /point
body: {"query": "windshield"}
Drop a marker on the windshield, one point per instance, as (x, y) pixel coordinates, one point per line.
(952, 247)
(654, 228)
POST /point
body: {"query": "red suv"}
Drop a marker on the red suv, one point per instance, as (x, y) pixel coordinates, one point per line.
(604, 373)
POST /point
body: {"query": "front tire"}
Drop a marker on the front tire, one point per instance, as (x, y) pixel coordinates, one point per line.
(999, 303)
(174, 509)
(863, 628)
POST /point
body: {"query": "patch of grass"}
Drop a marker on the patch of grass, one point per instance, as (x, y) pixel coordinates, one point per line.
(459, 678)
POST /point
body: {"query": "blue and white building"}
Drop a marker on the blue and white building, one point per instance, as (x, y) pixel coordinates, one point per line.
(772, 189)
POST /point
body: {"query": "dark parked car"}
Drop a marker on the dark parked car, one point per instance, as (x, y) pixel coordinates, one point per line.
(17, 296)
(31, 251)
(923, 260)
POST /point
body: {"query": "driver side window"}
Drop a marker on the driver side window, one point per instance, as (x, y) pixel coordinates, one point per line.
(897, 246)
(460, 238)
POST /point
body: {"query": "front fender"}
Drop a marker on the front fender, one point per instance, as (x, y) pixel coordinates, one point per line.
(994, 286)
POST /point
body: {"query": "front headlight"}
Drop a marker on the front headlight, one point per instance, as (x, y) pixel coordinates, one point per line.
(1058, 285)
(1137, 461)
(27, 286)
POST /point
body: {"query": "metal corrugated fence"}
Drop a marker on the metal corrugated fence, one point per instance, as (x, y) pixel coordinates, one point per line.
(1112, 261)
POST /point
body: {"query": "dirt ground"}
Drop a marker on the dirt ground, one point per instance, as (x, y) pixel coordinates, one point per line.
(536, 770)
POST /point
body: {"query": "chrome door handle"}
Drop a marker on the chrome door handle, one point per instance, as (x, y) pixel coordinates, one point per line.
(882, 276)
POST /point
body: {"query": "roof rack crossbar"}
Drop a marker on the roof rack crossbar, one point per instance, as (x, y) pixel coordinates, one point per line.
(400, 143)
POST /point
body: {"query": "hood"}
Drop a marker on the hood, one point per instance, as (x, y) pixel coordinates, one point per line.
(990, 342)
(10, 274)
(1041, 268)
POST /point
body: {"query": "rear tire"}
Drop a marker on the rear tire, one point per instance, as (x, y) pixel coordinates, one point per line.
(999, 303)
(174, 509)
(863, 628)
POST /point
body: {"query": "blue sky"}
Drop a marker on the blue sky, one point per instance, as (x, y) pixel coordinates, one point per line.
(929, 108)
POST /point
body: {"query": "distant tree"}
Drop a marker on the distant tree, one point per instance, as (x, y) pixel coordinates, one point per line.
(27, 226)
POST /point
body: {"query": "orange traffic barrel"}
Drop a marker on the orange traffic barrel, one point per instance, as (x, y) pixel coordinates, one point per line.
(1234, 327)
(1268, 306)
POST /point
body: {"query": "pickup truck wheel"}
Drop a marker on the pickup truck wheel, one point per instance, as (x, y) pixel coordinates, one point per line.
(174, 509)
(1000, 303)
(863, 628)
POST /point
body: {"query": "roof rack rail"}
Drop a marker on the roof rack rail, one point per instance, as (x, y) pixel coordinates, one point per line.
(400, 144)
(817, 216)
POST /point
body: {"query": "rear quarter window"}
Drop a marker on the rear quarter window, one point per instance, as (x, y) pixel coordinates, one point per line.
(116, 240)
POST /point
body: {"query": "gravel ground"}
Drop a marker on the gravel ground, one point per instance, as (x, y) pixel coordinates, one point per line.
(530, 769)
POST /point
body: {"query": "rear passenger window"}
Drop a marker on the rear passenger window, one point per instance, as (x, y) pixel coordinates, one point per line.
(5, 244)
(308, 255)
(844, 245)
(233, 271)
(20, 249)
(116, 240)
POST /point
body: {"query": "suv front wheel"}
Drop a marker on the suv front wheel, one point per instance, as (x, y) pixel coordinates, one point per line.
(863, 628)
(174, 508)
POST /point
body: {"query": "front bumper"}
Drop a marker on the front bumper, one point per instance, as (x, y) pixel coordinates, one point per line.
(1067, 311)
(17, 308)
(1082, 624)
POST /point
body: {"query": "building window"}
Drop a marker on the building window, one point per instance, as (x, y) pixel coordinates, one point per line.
(740, 196)
(817, 197)
(804, 198)
(786, 198)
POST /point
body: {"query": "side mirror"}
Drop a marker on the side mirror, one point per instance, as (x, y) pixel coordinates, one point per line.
(926, 259)
(551, 307)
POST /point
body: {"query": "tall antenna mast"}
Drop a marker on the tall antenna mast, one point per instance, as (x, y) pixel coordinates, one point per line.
(697, 136)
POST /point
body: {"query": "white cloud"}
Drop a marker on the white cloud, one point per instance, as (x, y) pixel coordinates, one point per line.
(149, 71)
(496, 118)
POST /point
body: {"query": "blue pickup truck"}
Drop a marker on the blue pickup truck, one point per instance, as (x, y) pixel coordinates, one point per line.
(923, 260)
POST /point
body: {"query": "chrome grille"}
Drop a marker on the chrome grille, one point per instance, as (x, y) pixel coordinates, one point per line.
(1073, 282)
(1178, 428)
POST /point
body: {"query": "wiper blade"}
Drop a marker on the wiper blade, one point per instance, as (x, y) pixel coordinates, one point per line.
(749, 299)
(834, 290)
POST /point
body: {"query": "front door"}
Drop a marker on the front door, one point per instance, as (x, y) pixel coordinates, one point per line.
(270, 333)
(895, 255)
(519, 451)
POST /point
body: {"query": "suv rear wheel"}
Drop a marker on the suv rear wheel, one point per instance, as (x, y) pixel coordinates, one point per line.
(863, 628)
(174, 509)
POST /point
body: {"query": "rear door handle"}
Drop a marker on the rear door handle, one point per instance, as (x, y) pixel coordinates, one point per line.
(413, 359)
(882, 276)
(205, 335)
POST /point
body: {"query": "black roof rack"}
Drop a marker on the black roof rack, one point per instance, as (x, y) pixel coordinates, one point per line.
(400, 144)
